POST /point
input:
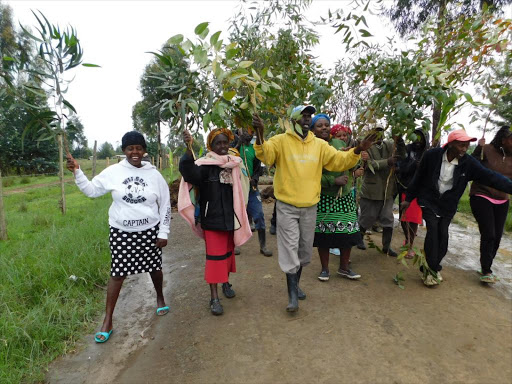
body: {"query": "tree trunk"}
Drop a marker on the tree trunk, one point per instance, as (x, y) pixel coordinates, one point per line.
(94, 159)
(3, 225)
(159, 147)
(436, 114)
(61, 175)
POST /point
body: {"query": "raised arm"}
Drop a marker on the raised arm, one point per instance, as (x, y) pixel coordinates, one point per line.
(489, 177)
(266, 151)
(95, 188)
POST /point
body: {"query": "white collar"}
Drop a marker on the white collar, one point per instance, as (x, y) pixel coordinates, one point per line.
(455, 161)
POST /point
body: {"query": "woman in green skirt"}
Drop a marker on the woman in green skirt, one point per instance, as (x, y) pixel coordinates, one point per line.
(336, 221)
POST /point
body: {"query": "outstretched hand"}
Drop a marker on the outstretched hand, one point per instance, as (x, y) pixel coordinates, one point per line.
(71, 163)
(366, 143)
(404, 205)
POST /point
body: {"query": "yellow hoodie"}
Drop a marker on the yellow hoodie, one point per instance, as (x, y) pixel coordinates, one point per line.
(299, 165)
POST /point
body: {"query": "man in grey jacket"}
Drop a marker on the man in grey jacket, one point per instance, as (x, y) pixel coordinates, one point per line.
(379, 189)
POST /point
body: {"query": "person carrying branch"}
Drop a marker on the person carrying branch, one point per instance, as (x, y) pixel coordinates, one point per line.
(378, 190)
(223, 222)
(438, 184)
(336, 221)
(299, 158)
(489, 206)
(254, 205)
(139, 219)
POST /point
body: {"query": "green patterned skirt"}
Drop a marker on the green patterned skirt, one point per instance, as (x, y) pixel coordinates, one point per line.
(336, 222)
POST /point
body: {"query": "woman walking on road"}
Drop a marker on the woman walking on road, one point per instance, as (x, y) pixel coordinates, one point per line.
(222, 219)
(336, 219)
(490, 206)
(139, 219)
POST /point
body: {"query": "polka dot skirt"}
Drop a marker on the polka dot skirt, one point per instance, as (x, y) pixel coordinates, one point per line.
(134, 252)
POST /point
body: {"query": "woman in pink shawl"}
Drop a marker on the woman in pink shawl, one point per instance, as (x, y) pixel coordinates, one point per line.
(222, 219)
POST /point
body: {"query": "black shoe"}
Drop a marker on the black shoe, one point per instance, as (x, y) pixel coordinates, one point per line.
(300, 292)
(390, 252)
(272, 229)
(293, 302)
(237, 250)
(215, 307)
(228, 291)
(263, 243)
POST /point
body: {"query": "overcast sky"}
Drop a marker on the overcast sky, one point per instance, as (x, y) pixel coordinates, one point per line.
(117, 35)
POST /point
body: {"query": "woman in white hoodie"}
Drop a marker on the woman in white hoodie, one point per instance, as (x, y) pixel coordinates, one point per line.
(139, 219)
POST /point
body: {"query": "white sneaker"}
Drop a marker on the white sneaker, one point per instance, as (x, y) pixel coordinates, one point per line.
(430, 281)
(439, 277)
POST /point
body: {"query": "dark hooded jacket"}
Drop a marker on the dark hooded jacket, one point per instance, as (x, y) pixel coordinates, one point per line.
(407, 166)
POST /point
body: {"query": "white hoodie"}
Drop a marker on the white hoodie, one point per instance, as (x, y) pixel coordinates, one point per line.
(140, 196)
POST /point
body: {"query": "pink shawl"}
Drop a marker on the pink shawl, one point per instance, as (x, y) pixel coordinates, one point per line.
(186, 207)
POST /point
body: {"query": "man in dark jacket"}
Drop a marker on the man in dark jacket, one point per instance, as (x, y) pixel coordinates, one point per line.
(378, 190)
(438, 184)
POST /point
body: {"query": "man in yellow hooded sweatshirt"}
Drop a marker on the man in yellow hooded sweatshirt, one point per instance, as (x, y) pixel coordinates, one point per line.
(299, 158)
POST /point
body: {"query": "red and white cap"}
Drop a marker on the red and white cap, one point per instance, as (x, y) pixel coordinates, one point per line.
(459, 135)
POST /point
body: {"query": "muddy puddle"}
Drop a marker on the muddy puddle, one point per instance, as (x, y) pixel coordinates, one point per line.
(464, 253)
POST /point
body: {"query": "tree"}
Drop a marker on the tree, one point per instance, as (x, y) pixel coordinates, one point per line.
(106, 150)
(409, 16)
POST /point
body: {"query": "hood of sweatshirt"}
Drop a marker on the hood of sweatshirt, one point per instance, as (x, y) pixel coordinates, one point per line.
(146, 165)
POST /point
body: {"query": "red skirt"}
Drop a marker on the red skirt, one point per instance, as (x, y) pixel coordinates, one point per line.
(413, 213)
(220, 256)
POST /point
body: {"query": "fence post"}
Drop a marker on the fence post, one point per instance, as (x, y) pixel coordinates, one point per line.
(3, 225)
(108, 161)
(61, 175)
(94, 158)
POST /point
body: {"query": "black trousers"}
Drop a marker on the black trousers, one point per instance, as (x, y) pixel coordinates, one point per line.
(491, 221)
(436, 240)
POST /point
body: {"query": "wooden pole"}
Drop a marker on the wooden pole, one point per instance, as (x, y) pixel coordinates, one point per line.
(108, 161)
(3, 225)
(160, 163)
(159, 146)
(61, 175)
(94, 158)
(153, 160)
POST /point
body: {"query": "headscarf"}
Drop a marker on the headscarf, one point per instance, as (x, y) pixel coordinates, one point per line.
(338, 127)
(216, 132)
(318, 117)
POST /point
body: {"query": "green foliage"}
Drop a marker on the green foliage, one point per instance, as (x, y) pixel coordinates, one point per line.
(106, 150)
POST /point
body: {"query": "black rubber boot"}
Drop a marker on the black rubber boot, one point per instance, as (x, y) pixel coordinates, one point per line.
(361, 245)
(387, 234)
(263, 243)
(301, 294)
(293, 302)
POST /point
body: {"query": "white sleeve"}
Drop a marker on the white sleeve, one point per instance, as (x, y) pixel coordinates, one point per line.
(164, 204)
(95, 188)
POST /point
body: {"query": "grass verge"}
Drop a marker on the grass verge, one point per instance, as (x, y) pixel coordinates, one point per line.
(42, 311)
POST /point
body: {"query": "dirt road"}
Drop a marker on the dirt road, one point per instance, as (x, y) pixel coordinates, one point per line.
(366, 331)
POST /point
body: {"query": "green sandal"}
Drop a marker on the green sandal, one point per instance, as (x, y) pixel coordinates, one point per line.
(491, 279)
(106, 336)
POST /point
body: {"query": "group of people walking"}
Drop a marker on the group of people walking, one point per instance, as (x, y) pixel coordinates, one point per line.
(316, 168)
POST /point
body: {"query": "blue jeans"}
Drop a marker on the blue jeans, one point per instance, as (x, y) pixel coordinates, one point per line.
(255, 209)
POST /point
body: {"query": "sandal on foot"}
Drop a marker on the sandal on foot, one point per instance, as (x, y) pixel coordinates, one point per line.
(488, 278)
(162, 311)
(106, 336)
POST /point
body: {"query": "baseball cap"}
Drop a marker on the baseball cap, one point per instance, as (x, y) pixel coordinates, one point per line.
(302, 108)
(459, 135)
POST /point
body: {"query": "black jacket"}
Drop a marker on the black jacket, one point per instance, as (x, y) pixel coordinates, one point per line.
(424, 184)
(216, 198)
(406, 168)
